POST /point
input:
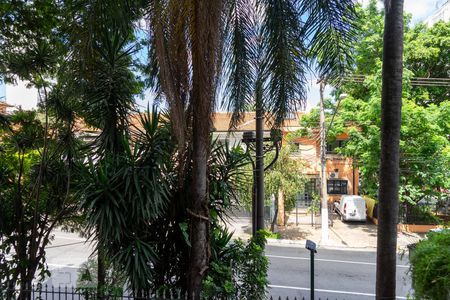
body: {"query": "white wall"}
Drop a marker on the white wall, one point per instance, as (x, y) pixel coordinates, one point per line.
(20, 95)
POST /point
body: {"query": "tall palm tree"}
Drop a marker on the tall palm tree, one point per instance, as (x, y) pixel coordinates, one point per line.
(206, 18)
(268, 50)
(186, 38)
(391, 105)
(261, 48)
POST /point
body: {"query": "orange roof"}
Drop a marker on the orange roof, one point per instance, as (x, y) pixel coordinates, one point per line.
(4, 104)
(221, 122)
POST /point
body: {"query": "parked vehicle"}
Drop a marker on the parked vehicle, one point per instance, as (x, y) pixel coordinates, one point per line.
(351, 208)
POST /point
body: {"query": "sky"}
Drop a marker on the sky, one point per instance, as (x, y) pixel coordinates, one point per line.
(20, 95)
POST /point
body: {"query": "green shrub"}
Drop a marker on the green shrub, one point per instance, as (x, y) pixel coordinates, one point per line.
(420, 214)
(238, 269)
(430, 267)
(273, 235)
(87, 281)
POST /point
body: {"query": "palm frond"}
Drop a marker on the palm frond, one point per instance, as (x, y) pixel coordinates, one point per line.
(170, 59)
(238, 49)
(284, 62)
(226, 176)
(330, 30)
(125, 194)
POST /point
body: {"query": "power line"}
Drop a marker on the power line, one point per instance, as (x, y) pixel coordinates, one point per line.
(416, 81)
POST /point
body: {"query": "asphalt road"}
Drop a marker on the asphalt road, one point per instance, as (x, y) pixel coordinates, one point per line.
(339, 274)
(64, 257)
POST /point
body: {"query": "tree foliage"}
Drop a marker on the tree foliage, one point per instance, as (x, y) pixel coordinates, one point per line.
(424, 143)
(270, 46)
(285, 176)
(35, 196)
(151, 196)
(430, 267)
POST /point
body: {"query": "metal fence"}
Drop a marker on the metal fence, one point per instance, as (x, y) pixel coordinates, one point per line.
(44, 292)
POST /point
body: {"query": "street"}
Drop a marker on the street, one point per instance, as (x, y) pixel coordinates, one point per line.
(64, 256)
(339, 274)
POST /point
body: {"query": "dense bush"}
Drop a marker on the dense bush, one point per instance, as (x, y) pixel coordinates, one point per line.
(238, 269)
(418, 214)
(430, 267)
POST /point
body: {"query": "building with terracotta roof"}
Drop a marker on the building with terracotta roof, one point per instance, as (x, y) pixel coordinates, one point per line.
(4, 107)
(342, 172)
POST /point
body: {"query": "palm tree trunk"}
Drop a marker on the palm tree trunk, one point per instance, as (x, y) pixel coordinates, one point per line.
(101, 272)
(259, 169)
(391, 104)
(205, 38)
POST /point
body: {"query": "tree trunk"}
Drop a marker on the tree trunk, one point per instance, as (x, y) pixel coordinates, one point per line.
(389, 163)
(205, 40)
(281, 212)
(101, 272)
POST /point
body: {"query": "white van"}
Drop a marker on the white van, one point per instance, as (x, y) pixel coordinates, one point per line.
(351, 208)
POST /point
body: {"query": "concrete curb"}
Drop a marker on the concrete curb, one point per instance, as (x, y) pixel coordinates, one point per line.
(301, 244)
(285, 242)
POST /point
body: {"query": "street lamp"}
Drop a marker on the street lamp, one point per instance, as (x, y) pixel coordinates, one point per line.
(269, 144)
(311, 246)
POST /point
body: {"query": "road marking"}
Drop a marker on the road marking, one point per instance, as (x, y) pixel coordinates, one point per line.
(64, 245)
(57, 237)
(332, 260)
(63, 266)
(326, 291)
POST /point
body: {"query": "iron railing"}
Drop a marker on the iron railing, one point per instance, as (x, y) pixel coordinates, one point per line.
(44, 292)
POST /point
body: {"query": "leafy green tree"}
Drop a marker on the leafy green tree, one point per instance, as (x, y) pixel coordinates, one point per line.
(423, 136)
(283, 180)
(427, 55)
(34, 198)
(430, 267)
(39, 149)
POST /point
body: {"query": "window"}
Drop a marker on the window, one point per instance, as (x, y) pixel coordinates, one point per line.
(290, 116)
(336, 187)
(312, 187)
(331, 146)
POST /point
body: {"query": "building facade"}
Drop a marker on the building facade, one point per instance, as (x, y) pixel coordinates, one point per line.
(442, 13)
(342, 172)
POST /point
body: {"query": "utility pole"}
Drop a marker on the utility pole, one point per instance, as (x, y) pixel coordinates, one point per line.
(323, 167)
(259, 170)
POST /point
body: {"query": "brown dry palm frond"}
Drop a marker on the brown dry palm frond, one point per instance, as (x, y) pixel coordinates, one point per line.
(171, 59)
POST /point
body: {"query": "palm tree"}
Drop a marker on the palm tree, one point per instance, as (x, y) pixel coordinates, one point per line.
(186, 47)
(391, 104)
(267, 52)
(265, 47)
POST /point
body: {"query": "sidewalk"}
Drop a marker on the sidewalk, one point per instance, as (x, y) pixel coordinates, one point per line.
(349, 235)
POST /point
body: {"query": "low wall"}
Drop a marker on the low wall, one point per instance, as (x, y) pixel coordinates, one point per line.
(413, 228)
